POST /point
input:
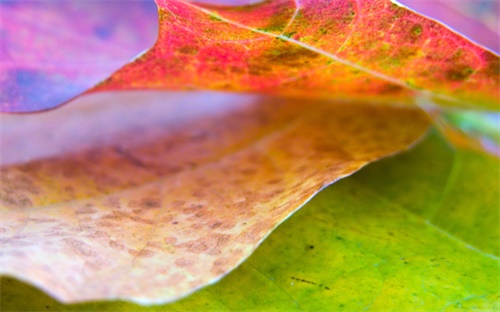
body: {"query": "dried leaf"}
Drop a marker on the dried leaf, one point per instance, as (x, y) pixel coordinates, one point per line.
(151, 200)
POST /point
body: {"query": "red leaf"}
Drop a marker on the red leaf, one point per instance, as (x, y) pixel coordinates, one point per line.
(371, 50)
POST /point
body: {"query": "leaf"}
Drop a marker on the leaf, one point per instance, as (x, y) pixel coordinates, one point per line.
(155, 198)
(477, 20)
(378, 246)
(51, 51)
(372, 50)
(366, 243)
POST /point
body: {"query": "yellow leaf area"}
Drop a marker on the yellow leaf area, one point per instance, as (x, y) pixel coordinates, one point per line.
(372, 50)
(415, 232)
(154, 195)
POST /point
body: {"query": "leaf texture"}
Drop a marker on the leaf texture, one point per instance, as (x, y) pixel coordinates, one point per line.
(370, 50)
(151, 200)
(477, 20)
(398, 235)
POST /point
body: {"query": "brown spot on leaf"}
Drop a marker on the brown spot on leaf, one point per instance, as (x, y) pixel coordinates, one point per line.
(416, 30)
(133, 252)
(459, 73)
(86, 210)
(115, 245)
(188, 50)
(146, 253)
(215, 224)
(170, 240)
(142, 220)
(183, 262)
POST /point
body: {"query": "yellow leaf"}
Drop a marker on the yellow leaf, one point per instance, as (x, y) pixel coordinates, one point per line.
(149, 196)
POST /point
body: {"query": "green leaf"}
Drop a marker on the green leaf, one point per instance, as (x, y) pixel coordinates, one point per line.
(418, 231)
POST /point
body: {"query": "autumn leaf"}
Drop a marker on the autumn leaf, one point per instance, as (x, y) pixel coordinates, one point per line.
(370, 242)
(476, 20)
(365, 243)
(150, 208)
(373, 50)
(51, 51)
(336, 49)
(139, 204)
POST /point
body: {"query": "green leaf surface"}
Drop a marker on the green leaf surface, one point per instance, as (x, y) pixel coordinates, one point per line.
(418, 231)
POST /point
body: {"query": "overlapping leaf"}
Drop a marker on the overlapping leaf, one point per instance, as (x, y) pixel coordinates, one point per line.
(141, 205)
(475, 19)
(372, 50)
(131, 201)
(366, 243)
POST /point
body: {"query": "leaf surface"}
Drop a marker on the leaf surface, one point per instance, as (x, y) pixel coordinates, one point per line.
(51, 51)
(419, 231)
(370, 50)
(139, 204)
(366, 243)
(477, 20)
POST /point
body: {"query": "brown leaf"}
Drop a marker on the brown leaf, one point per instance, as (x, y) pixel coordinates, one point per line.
(151, 196)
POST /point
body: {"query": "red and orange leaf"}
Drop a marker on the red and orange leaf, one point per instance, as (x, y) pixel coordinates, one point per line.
(149, 201)
(51, 51)
(371, 50)
(108, 198)
(477, 20)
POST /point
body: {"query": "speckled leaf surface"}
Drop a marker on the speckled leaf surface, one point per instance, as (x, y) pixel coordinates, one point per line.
(152, 199)
(51, 51)
(370, 50)
(366, 243)
(475, 19)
